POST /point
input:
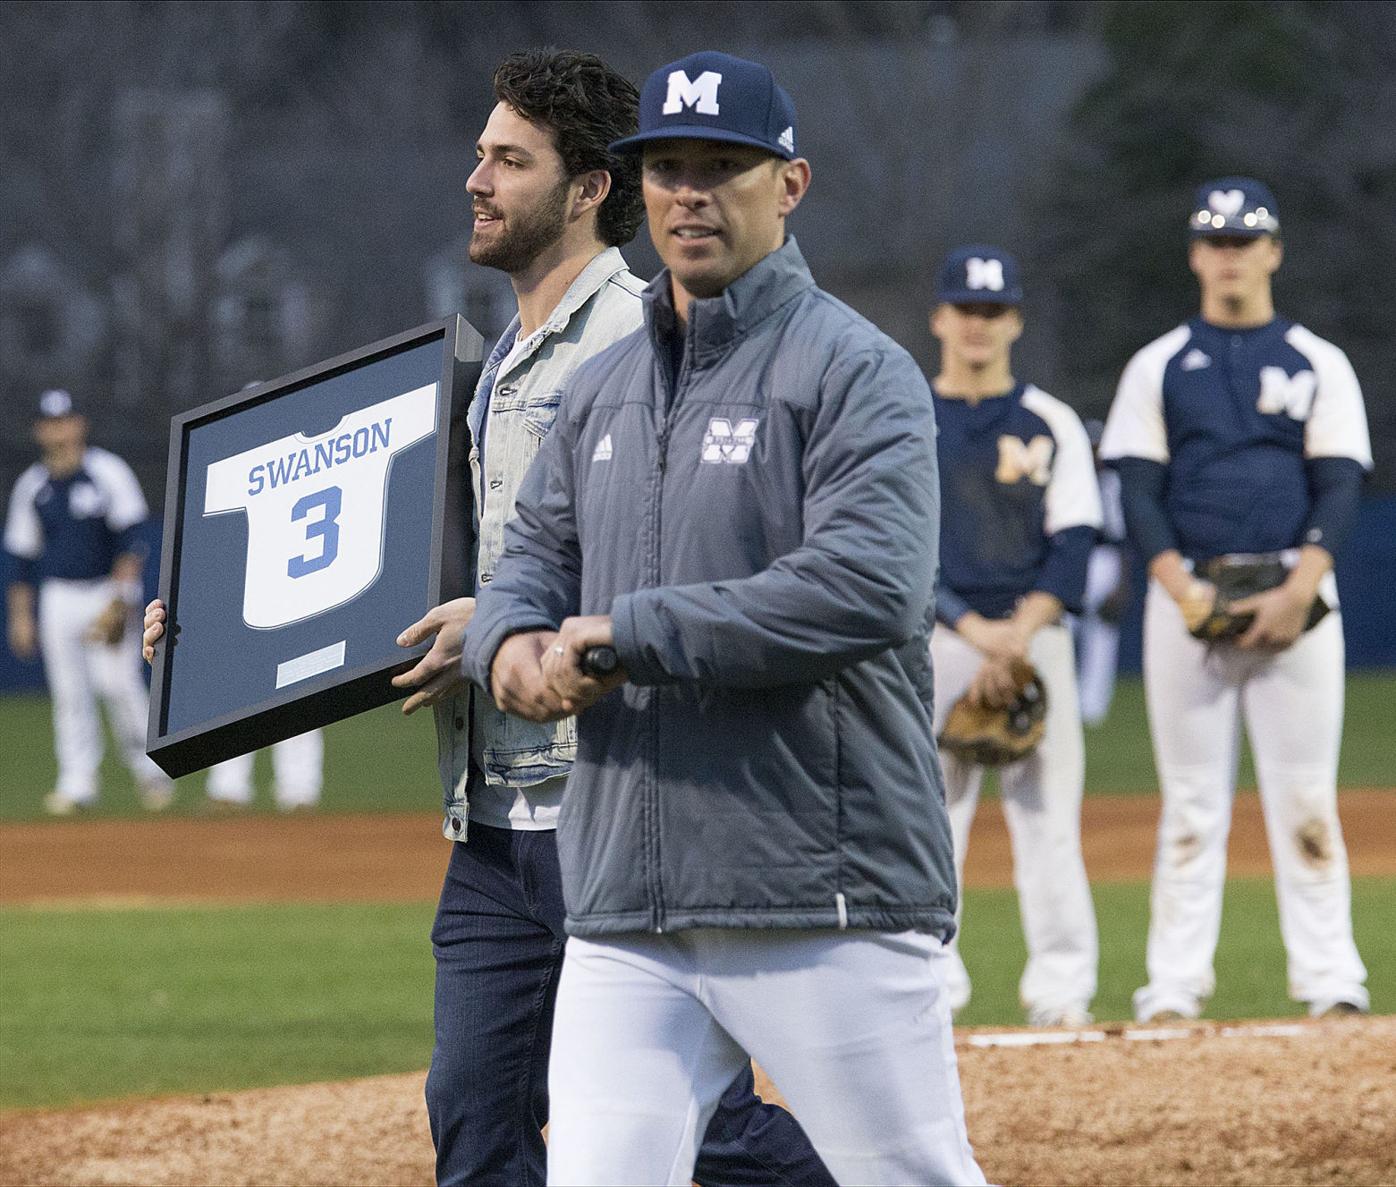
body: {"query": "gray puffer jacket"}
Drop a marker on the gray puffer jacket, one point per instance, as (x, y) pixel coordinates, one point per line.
(762, 526)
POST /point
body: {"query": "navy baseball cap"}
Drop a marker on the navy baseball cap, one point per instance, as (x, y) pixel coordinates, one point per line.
(713, 96)
(1234, 206)
(979, 274)
(55, 404)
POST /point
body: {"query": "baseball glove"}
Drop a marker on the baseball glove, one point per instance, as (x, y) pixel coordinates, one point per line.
(993, 737)
(1239, 576)
(109, 626)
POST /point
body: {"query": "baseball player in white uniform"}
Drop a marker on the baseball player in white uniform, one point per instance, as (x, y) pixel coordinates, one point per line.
(71, 534)
(1242, 434)
(1019, 513)
(297, 767)
(1096, 629)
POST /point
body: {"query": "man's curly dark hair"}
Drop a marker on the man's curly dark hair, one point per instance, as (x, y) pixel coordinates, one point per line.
(586, 105)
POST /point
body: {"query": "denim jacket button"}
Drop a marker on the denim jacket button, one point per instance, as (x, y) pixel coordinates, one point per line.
(460, 723)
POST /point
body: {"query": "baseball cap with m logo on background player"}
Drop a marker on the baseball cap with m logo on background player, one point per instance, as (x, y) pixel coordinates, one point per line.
(979, 274)
(1235, 207)
(54, 404)
(714, 96)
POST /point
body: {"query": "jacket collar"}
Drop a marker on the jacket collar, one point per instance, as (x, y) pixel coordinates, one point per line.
(590, 279)
(747, 301)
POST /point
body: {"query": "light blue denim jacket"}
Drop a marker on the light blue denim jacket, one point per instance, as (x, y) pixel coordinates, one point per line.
(516, 408)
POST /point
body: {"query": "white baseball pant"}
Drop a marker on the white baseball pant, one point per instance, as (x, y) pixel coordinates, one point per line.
(297, 767)
(78, 671)
(852, 1026)
(1292, 704)
(1041, 797)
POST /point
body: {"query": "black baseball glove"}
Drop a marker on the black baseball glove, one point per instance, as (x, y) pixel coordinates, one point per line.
(1238, 577)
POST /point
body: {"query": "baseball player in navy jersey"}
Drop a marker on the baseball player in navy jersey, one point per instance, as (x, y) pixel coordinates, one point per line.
(1241, 433)
(72, 535)
(1019, 513)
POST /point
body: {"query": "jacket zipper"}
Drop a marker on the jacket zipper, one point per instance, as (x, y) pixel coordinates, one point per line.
(656, 887)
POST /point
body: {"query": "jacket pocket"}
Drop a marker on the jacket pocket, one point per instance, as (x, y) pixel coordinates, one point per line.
(540, 411)
(524, 753)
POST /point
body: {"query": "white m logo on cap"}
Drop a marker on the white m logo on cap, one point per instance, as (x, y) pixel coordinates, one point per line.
(701, 95)
(984, 274)
(1227, 203)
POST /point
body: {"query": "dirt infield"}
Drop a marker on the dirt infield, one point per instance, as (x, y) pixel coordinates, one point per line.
(1313, 1103)
(1297, 1103)
(396, 858)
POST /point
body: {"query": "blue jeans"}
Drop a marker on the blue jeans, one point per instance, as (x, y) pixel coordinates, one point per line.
(498, 941)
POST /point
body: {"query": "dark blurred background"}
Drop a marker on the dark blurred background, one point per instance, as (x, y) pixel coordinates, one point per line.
(195, 195)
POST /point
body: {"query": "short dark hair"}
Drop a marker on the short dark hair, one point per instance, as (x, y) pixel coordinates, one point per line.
(586, 105)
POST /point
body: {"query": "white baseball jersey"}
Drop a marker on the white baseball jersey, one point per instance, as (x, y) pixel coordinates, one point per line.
(314, 507)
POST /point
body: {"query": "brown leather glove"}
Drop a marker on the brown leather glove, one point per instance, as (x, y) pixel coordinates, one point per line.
(110, 625)
(993, 737)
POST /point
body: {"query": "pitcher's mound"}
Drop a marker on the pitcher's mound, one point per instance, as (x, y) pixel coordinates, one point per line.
(1254, 1103)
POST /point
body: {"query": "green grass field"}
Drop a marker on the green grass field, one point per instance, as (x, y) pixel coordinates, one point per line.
(97, 1004)
(104, 1004)
(113, 1003)
(381, 761)
(376, 762)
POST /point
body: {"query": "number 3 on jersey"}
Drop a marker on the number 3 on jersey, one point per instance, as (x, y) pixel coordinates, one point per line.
(326, 528)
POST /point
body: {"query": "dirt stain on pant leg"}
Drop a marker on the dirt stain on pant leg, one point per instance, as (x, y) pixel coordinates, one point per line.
(1315, 843)
(1185, 848)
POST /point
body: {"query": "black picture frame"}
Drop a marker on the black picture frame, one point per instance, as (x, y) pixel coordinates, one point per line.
(212, 700)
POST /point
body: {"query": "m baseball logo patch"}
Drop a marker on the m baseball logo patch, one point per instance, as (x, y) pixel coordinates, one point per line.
(1226, 202)
(1019, 459)
(728, 444)
(1290, 394)
(984, 274)
(85, 501)
(700, 94)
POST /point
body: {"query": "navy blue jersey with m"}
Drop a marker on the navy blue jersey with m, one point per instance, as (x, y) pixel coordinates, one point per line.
(1236, 416)
(1019, 502)
(73, 528)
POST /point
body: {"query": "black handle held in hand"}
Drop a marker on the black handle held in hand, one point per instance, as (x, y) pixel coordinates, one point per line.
(599, 662)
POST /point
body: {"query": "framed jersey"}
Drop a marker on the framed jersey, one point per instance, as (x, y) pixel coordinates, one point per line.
(307, 521)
